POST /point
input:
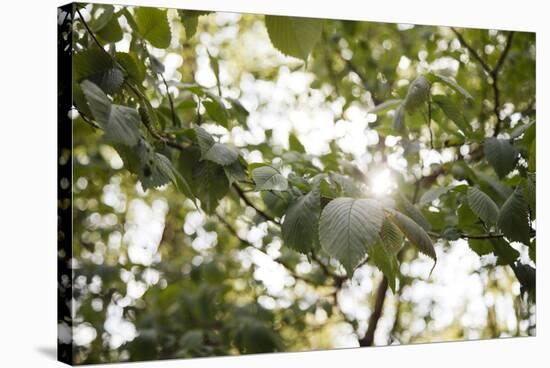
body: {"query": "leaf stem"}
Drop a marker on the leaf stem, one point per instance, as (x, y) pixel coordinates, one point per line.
(249, 203)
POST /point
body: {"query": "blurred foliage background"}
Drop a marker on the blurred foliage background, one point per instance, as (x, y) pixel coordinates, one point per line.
(222, 129)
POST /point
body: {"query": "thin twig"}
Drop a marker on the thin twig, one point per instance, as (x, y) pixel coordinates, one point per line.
(472, 51)
(89, 121)
(482, 236)
(249, 203)
(476, 236)
(173, 112)
(81, 17)
(339, 280)
(430, 123)
(364, 80)
(234, 232)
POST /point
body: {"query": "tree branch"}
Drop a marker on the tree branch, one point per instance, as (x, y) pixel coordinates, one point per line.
(472, 51)
(368, 339)
(496, 91)
(491, 72)
(504, 53)
(478, 236)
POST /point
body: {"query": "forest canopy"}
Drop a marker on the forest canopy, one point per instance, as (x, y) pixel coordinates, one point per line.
(246, 183)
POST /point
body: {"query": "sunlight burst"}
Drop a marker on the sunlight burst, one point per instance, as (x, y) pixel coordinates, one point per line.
(382, 182)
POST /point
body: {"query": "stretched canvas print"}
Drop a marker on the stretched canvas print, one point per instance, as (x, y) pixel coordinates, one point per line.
(240, 183)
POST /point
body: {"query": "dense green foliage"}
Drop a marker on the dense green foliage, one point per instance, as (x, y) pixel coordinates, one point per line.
(141, 139)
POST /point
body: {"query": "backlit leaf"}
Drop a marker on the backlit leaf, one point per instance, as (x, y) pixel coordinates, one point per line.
(214, 151)
(513, 220)
(482, 205)
(121, 123)
(268, 178)
(301, 223)
(501, 154)
(391, 236)
(347, 227)
(450, 82)
(294, 36)
(453, 112)
(414, 233)
(153, 26)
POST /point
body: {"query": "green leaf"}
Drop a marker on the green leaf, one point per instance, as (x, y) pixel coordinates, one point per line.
(111, 32)
(163, 171)
(215, 65)
(123, 126)
(531, 195)
(192, 340)
(190, 20)
(504, 251)
(532, 164)
(238, 111)
(466, 217)
(153, 26)
(481, 246)
(210, 184)
(152, 169)
(294, 144)
(347, 226)
(235, 172)
(450, 233)
(482, 205)
(156, 65)
(79, 100)
(104, 18)
(385, 261)
(216, 110)
(214, 151)
(97, 66)
(346, 185)
(518, 132)
(513, 220)
(98, 102)
(526, 275)
(391, 236)
(499, 187)
(450, 82)
(529, 135)
(131, 63)
(418, 94)
(120, 123)
(399, 119)
(501, 154)
(294, 36)
(412, 211)
(275, 203)
(533, 250)
(453, 112)
(432, 194)
(414, 233)
(267, 178)
(301, 223)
